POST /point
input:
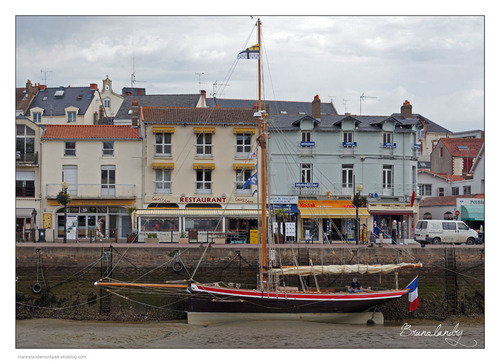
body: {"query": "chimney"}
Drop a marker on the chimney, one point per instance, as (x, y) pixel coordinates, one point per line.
(29, 87)
(406, 111)
(316, 108)
(204, 93)
(135, 113)
(43, 87)
(93, 86)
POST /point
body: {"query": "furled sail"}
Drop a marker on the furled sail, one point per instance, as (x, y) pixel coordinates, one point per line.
(338, 269)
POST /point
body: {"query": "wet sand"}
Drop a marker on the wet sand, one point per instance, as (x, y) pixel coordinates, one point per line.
(68, 334)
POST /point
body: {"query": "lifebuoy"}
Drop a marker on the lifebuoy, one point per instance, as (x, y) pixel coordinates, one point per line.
(37, 288)
(178, 266)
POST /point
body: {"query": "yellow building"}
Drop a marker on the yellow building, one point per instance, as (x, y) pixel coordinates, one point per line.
(196, 161)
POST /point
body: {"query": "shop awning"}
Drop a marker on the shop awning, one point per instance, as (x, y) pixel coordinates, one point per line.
(392, 212)
(243, 130)
(200, 212)
(333, 213)
(472, 212)
(24, 213)
(204, 130)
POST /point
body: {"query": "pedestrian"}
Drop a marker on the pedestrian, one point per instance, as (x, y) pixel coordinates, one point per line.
(394, 231)
(98, 229)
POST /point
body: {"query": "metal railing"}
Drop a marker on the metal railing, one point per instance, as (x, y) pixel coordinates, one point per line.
(93, 190)
(26, 158)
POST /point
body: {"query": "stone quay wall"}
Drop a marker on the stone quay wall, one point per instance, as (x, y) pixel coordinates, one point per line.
(64, 275)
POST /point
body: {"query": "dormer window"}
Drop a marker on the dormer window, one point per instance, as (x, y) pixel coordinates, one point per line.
(71, 116)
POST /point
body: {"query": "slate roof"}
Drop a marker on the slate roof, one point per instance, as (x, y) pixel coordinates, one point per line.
(333, 122)
(275, 107)
(452, 144)
(197, 115)
(91, 132)
(181, 100)
(53, 105)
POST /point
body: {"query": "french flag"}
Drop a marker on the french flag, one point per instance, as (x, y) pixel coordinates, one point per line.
(413, 294)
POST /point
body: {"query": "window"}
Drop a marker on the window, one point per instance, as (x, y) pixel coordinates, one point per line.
(204, 144)
(163, 143)
(441, 152)
(25, 184)
(243, 143)
(71, 116)
(204, 180)
(347, 175)
(107, 101)
(242, 175)
(387, 138)
(70, 148)
(306, 172)
(448, 216)
(348, 137)
(441, 191)
(455, 191)
(427, 216)
(37, 117)
(108, 180)
(163, 181)
(462, 226)
(467, 190)
(387, 182)
(108, 148)
(425, 189)
(449, 226)
(422, 225)
(25, 144)
(70, 175)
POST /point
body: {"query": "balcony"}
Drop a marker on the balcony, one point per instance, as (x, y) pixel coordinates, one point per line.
(93, 191)
(26, 158)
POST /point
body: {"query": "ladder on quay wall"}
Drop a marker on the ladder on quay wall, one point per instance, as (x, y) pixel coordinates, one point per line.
(106, 271)
(451, 285)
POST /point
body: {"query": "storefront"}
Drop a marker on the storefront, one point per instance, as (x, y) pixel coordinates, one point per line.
(392, 221)
(25, 224)
(325, 221)
(196, 224)
(471, 211)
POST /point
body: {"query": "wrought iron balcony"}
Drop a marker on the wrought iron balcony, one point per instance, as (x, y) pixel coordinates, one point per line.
(116, 191)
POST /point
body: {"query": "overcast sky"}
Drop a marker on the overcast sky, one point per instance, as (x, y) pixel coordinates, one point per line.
(435, 62)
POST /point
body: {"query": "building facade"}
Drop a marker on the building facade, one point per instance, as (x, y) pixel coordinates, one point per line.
(100, 164)
(327, 159)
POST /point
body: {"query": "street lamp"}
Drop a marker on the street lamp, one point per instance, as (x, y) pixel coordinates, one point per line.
(357, 202)
(64, 200)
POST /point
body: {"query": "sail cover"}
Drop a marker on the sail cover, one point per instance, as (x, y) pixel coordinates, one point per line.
(338, 269)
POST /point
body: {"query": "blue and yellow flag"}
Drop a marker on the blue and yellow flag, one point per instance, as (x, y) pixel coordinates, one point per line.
(250, 53)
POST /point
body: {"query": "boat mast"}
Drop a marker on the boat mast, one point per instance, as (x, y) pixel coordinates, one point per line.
(263, 164)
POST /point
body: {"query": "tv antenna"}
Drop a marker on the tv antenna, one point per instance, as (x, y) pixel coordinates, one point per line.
(331, 98)
(362, 98)
(133, 81)
(216, 85)
(199, 74)
(345, 101)
(45, 75)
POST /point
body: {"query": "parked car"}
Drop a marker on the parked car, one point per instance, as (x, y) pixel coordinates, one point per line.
(444, 231)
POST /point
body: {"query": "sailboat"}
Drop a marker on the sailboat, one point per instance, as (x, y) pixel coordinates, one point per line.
(214, 303)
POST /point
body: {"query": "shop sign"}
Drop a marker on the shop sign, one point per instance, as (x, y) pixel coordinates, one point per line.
(306, 184)
(202, 199)
(335, 204)
(284, 200)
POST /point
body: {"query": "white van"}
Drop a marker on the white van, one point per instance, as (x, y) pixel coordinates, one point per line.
(444, 231)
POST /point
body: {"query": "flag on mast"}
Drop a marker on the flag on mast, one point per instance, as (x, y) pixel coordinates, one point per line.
(251, 181)
(250, 53)
(413, 294)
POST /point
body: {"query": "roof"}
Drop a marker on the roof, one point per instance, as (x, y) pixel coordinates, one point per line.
(54, 100)
(23, 100)
(447, 177)
(275, 107)
(333, 122)
(197, 115)
(453, 144)
(181, 100)
(446, 200)
(431, 126)
(91, 132)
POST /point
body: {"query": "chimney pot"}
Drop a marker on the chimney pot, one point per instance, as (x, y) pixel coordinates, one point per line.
(204, 93)
(406, 110)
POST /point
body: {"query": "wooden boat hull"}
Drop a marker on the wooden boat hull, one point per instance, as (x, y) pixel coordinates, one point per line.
(205, 299)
